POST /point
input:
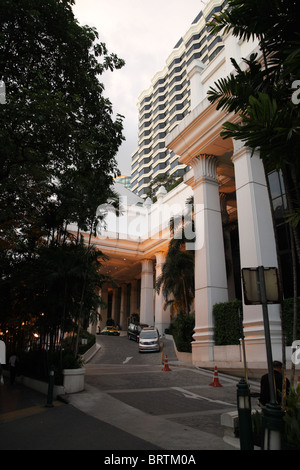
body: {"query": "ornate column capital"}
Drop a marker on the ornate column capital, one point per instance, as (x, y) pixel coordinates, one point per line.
(205, 168)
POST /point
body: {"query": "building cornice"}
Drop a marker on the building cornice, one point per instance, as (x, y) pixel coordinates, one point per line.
(199, 133)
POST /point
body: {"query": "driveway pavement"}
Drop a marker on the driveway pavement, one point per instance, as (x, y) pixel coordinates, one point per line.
(176, 409)
(125, 406)
(27, 424)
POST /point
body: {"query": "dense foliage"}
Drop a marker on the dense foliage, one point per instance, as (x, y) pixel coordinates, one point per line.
(58, 141)
(264, 89)
(288, 322)
(182, 330)
(227, 323)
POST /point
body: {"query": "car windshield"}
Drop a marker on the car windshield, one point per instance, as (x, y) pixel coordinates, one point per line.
(148, 334)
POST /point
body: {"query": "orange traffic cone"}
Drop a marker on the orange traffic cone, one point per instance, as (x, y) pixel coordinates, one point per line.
(215, 382)
(166, 365)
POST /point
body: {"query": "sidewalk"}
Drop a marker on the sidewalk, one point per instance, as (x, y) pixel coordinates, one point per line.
(27, 424)
(91, 420)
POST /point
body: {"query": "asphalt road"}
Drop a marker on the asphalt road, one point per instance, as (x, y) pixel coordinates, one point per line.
(129, 403)
(149, 398)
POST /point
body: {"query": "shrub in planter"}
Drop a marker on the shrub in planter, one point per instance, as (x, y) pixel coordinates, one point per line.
(70, 361)
(38, 363)
(292, 420)
(182, 330)
(288, 317)
(69, 342)
(226, 323)
(64, 360)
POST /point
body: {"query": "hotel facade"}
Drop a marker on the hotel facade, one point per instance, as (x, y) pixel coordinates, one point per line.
(232, 213)
(167, 101)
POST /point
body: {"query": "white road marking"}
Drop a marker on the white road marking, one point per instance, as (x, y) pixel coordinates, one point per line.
(127, 360)
(194, 396)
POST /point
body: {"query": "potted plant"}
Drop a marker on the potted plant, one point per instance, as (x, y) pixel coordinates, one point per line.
(73, 373)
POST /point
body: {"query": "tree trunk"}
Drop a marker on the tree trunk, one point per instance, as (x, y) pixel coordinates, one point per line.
(83, 290)
(185, 297)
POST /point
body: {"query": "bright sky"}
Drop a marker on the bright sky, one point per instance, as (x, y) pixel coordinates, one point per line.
(142, 33)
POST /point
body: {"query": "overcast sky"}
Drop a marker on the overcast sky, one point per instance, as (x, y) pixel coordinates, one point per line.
(142, 33)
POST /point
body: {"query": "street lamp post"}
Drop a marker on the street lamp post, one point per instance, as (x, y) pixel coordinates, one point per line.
(264, 302)
(256, 292)
(244, 412)
(49, 403)
(272, 426)
(272, 419)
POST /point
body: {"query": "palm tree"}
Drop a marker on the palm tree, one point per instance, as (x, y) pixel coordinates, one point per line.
(262, 95)
(177, 278)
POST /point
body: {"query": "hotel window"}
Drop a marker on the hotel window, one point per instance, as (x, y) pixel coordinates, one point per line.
(278, 196)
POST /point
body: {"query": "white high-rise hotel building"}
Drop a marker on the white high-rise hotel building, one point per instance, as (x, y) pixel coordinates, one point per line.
(180, 132)
(167, 101)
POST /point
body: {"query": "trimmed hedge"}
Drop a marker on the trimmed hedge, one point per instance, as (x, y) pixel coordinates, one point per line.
(288, 316)
(227, 323)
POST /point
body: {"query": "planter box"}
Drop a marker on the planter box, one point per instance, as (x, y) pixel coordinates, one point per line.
(73, 380)
(228, 353)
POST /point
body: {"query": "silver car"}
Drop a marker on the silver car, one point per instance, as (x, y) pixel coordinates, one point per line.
(149, 340)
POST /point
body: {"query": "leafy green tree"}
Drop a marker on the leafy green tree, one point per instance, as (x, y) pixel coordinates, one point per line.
(51, 292)
(57, 126)
(58, 141)
(63, 271)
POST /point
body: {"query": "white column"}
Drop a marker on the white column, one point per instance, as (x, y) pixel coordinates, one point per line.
(194, 75)
(257, 247)
(103, 310)
(162, 317)
(147, 294)
(210, 269)
(114, 308)
(123, 313)
(133, 297)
